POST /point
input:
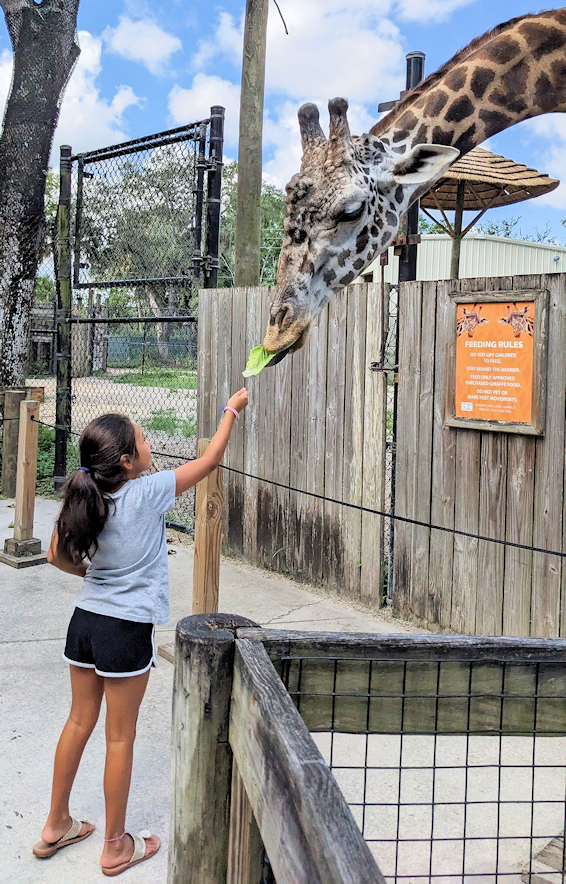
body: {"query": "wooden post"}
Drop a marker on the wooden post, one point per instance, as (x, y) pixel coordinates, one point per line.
(245, 849)
(248, 234)
(208, 534)
(24, 549)
(202, 759)
(457, 238)
(12, 399)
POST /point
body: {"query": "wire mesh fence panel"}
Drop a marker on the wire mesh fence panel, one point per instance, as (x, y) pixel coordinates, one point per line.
(453, 769)
(138, 227)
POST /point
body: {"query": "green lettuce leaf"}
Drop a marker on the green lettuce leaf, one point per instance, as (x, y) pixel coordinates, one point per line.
(259, 358)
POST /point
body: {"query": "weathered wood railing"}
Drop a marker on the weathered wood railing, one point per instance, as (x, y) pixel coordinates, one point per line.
(247, 772)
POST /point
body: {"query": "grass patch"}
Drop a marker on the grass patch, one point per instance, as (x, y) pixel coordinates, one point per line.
(167, 421)
(46, 461)
(158, 377)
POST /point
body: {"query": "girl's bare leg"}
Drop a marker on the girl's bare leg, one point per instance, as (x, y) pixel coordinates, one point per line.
(123, 699)
(87, 690)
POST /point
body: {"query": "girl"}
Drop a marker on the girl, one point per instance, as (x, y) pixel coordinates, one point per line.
(119, 526)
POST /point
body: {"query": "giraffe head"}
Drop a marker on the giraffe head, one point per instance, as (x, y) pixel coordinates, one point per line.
(343, 208)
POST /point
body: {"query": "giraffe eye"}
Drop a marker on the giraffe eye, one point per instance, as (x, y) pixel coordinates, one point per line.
(350, 213)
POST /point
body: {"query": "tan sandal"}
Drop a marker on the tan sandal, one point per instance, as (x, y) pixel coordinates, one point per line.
(138, 856)
(43, 850)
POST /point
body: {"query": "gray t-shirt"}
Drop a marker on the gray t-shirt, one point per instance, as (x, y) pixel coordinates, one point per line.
(128, 575)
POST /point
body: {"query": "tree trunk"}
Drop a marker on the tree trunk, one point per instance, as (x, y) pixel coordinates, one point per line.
(45, 50)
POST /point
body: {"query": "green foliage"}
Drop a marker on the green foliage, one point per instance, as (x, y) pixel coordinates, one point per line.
(166, 420)
(427, 226)
(158, 377)
(508, 227)
(46, 460)
(44, 290)
(272, 204)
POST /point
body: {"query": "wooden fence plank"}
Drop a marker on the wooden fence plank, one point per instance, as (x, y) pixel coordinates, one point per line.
(410, 298)
(252, 439)
(334, 460)
(264, 389)
(282, 459)
(212, 403)
(224, 379)
(312, 566)
(519, 529)
(372, 581)
(439, 601)
(423, 478)
(299, 541)
(549, 472)
(353, 435)
(235, 453)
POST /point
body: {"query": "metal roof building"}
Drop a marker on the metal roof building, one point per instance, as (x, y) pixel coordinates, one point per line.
(480, 256)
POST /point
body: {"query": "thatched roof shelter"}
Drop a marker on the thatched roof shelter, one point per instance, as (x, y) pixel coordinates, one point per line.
(479, 181)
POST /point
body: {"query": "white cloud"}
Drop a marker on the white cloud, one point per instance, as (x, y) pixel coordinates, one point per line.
(143, 41)
(189, 105)
(332, 49)
(87, 120)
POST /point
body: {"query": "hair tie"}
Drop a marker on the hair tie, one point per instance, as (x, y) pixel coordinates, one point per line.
(84, 469)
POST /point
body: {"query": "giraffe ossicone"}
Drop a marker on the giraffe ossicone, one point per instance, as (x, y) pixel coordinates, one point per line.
(345, 205)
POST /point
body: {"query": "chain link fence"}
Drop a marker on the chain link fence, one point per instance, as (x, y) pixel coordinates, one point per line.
(114, 325)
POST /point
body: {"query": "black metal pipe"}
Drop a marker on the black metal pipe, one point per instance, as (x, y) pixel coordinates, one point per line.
(63, 282)
(130, 320)
(213, 196)
(408, 261)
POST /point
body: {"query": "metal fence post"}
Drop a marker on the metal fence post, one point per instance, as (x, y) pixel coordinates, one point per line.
(64, 296)
(213, 196)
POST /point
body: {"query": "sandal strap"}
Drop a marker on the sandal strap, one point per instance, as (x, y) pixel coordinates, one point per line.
(73, 832)
(139, 847)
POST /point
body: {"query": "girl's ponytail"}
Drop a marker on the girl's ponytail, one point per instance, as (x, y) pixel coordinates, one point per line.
(85, 494)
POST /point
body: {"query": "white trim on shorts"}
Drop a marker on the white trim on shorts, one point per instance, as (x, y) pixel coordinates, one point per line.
(152, 662)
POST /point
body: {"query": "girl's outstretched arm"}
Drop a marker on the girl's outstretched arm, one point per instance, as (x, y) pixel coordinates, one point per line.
(191, 473)
(56, 558)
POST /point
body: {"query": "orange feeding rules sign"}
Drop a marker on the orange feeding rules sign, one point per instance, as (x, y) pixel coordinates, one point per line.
(494, 361)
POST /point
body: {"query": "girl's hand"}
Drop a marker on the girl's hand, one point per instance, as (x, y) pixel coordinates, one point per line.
(239, 400)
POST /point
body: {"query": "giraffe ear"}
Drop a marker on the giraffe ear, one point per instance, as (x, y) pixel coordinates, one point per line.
(424, 163)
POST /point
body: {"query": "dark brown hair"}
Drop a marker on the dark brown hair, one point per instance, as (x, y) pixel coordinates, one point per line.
(85, 494)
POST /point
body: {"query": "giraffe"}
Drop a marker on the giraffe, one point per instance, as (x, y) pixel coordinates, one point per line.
(470, 321)
(519, 321)
(345, 204)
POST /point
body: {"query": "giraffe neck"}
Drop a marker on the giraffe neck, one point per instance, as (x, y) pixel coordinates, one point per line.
(512, 73)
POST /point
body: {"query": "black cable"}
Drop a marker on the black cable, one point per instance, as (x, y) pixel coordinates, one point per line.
(355, 506)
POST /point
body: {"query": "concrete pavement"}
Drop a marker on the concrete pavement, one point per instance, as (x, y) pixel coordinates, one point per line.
(35, 607)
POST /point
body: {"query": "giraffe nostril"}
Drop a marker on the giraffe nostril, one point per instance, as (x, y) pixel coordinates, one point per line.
(283, 317)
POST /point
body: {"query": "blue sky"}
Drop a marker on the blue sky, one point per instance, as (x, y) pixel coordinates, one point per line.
(145, 67)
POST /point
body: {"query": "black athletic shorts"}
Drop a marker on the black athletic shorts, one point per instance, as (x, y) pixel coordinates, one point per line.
(112, 647)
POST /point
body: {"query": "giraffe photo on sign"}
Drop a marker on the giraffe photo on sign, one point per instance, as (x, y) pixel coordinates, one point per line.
(494, 361)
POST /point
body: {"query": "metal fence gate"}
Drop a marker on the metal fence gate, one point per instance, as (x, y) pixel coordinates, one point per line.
(138, 234)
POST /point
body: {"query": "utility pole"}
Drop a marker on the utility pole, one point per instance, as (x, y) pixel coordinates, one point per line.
(408, 237)
(248, 234)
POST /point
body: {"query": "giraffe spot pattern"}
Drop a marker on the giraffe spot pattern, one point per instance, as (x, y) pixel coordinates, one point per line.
(502, 50)
(399, 194)
(374, 231)
(515, 80)
(455, 79)
(307, 266)
(545, 40)
(362, 240)
(435, 103)
(494, 121)
(359, 263)
(343, 257)
(391, 218)
(545, 96)
(348, 278)
(329, 276)
(502, 99)
(466, 140)
(459, 110)
(481, 79)
(441, 136)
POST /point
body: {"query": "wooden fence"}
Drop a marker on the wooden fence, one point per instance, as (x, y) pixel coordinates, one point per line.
(496, 484)
(315, 422)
